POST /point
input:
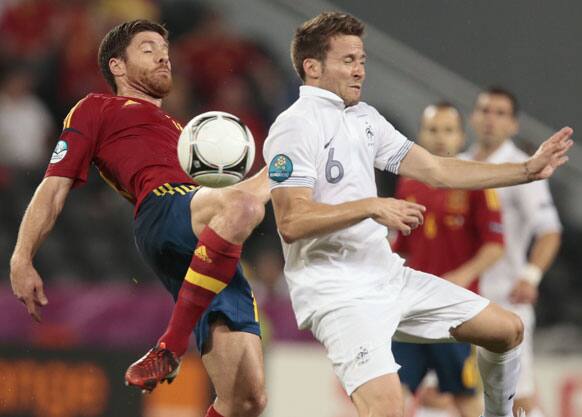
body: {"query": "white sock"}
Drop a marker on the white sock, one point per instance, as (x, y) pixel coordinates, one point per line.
(499, 372)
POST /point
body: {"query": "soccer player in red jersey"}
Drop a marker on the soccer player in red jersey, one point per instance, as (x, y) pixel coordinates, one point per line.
(460, 238)
(190, 236)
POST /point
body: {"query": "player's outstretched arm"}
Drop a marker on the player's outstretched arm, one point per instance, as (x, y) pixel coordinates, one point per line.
(38, 221)
(455, 173)
(298, 216)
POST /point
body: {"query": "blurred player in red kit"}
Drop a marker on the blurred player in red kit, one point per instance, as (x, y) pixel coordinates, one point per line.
(460, 238)
(190, 236)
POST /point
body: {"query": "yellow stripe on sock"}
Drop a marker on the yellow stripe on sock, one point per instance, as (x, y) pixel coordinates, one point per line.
(204, 281)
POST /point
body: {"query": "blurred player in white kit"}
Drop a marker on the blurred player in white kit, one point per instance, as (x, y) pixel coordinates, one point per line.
(528, 213)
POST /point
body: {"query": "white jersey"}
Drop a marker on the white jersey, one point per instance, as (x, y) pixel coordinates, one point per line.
(528, 210)
(321, 144)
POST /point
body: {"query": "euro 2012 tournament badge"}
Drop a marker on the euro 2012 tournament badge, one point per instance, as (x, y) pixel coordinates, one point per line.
(59, 152)
(280, 168)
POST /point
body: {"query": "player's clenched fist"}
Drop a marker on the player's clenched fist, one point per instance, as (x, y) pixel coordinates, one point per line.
(400, 215)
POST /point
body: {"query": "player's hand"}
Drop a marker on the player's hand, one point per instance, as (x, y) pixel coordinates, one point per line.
(550, 155)
(27, 287)
(400, 215)
(523, 293)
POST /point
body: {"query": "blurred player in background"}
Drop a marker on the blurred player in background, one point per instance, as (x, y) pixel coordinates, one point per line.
(190, 236)
(346, 285)
(460, 238)
(529, 217)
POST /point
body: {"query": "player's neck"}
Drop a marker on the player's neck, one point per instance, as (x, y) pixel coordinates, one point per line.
(484, 151)
(132, 93)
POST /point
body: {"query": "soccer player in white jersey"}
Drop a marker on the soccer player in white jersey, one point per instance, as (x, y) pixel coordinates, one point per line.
(528, 213)
(345, 283)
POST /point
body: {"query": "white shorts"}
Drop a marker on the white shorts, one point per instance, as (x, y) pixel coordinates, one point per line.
(526, 382)
(415, 307)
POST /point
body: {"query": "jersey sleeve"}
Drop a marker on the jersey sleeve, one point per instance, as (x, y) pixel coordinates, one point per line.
(75, 148)
(537, 206)
(486, 213)
(392, 146)
(400, 243)
(290, 153)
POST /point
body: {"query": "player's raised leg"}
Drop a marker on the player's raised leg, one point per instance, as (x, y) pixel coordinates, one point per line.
(234, 361)
(499, 333)
(221, 220)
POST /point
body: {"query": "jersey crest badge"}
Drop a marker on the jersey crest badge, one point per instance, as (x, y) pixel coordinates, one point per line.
(201, 254)
(458, 201)
(60, 152)
(280, 168)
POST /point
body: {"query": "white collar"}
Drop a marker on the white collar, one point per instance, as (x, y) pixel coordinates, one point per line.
(311, 91)
(501, 154)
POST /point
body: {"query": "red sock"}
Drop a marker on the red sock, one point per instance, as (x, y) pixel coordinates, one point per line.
(212, 413)
(211, 269)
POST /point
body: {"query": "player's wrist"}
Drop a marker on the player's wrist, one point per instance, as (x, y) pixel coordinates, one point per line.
(371, 208)
(527, 171)
(532, 274)
(18, 260)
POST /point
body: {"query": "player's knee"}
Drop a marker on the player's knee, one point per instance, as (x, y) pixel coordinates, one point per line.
(244, 209)
(251, 404)
(512, 334)
(516, 331)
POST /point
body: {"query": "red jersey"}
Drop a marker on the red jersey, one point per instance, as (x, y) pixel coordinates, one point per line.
(132, 142)
(456, 224)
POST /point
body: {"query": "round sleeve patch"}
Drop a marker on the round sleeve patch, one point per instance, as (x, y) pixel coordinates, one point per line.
(280, 168)
(59, 152)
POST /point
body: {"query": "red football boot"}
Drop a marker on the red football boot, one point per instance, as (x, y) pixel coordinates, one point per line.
(156, 366)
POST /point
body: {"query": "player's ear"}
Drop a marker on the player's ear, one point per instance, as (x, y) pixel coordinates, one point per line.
(514, 126)
(117, 67)
(312, 68)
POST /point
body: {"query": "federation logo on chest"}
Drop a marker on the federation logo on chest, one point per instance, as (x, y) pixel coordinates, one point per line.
(369, 134)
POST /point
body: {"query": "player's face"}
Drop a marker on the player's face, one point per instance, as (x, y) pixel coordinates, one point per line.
(343, 70)
(441, 132)
(147, 64)
(493, 120)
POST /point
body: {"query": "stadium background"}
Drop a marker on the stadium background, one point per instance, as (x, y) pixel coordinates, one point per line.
(106, 307)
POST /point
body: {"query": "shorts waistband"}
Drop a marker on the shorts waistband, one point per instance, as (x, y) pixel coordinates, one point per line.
(171, 189)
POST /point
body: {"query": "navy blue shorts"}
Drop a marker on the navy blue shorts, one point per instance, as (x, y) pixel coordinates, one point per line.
(164, 237)
(454, 363)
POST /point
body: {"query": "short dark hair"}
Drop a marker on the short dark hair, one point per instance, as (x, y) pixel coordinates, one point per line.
(496, 90)
(311, 39)
(115, 43)
(444, 105)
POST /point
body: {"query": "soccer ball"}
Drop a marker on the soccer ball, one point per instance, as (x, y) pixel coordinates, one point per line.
(216, 149)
